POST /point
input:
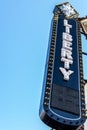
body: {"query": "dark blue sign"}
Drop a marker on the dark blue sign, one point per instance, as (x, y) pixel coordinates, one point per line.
(61, 103)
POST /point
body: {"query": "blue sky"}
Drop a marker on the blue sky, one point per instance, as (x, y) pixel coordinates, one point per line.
(24, 34)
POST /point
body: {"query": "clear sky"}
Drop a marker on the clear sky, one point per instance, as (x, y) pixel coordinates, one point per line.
(24, 34)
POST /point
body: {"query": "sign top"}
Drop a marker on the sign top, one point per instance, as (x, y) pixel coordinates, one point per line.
(67, 9)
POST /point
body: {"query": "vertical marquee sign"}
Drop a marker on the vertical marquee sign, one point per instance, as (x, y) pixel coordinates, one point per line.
(63, 101)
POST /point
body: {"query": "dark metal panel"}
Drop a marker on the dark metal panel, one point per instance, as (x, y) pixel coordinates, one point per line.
(65, 99)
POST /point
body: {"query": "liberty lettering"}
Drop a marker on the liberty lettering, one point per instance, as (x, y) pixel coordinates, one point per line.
(66, 51)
